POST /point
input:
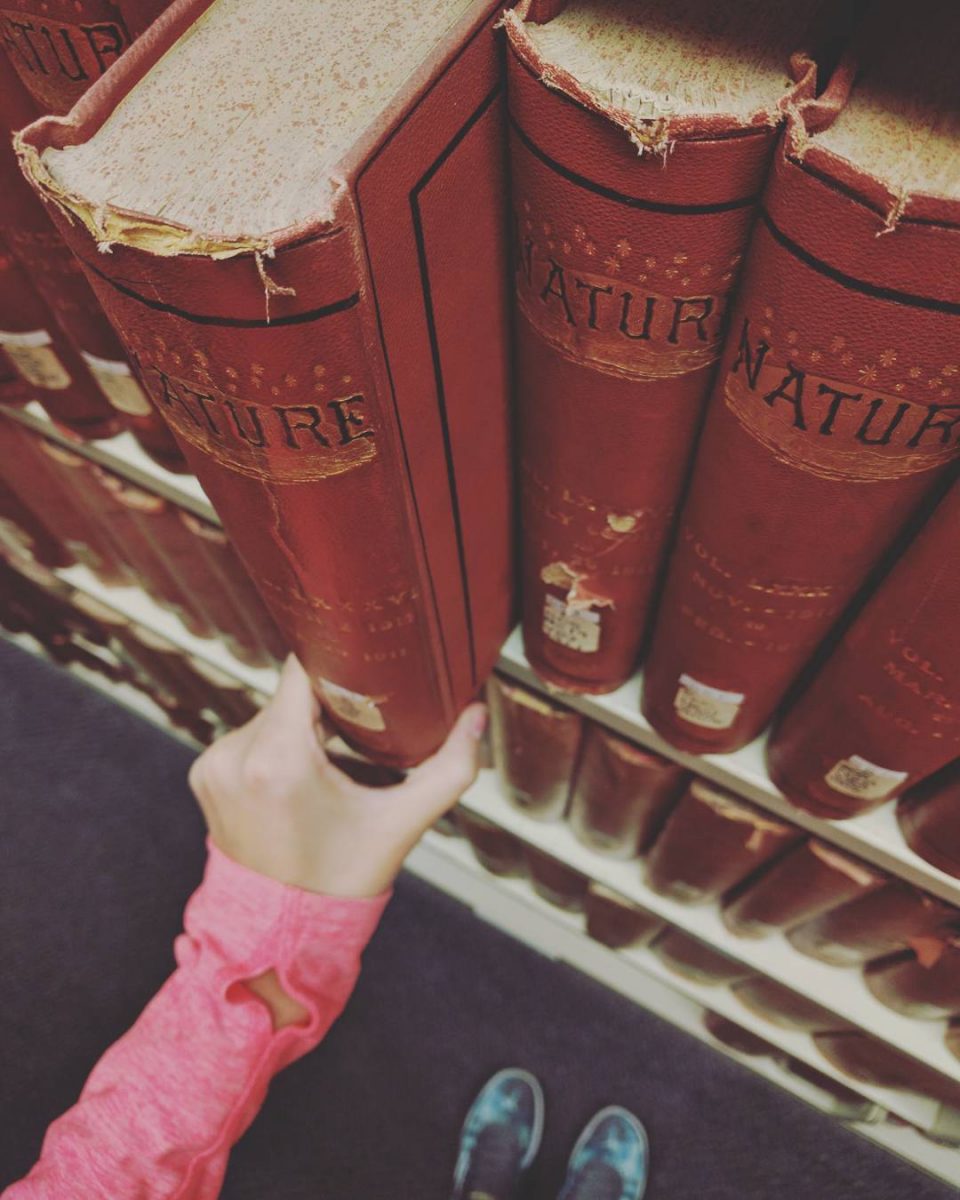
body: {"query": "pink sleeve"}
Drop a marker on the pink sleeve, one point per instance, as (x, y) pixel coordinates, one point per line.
(161, 1110)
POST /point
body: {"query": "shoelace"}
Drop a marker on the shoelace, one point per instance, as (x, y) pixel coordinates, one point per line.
(494, 1164)
(598, 1181)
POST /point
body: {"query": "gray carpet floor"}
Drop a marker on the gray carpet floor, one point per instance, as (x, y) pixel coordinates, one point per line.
(100, 846)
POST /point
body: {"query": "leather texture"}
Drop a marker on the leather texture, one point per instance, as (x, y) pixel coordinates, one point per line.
(866, 1059)
(621, 794)
(883, 712)
(831, 419)
(353, 441)
(696, 960)
(922, 983)
(711, 842)
(782, 1006)
(929, 818)
(59, 48)
(624, 265)
(103, 395)
(878, 923)
(39, 484)
(809, 880)
(535, 746)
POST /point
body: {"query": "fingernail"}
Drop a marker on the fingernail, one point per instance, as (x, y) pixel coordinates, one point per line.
(478, 721)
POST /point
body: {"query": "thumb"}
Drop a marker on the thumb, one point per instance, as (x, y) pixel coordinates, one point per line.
(438, 783)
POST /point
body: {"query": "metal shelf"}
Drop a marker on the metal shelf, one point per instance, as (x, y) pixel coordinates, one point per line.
(874, 837)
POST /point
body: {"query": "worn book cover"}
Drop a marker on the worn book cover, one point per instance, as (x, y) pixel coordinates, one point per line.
(297, 228)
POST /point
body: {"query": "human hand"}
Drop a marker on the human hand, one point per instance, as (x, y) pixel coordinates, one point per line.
(275, 803)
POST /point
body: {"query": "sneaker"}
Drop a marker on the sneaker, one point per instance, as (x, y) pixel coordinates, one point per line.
(500, 1137)
(609, 1161)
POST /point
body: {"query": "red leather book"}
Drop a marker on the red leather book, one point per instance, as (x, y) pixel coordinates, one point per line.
(30, 470)
(736, 1037)
(250, 631)
(871, 1061)
(838, 1100)
(112, 396)
(555, 881)
(883, 712)
(635, 174)
(921, 982)
(616, 921)
(535, 746)
(60, 47)
(495, 849)
(37, 360)
(710, 842)
(833, 412)
(300, 320)
(929, 817)
(136, 520)
(694, 959)
(621, 794)
(22, 532)
(809, 880)
(878, 923)
(784, 1007)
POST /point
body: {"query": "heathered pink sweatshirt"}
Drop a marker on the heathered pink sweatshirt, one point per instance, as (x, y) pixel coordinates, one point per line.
(165, 1104)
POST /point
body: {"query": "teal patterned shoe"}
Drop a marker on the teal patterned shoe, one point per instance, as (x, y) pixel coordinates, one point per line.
(610, 1159)
(500, 1137)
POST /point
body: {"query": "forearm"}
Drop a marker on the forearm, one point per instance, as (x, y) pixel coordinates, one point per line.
(162, 1108)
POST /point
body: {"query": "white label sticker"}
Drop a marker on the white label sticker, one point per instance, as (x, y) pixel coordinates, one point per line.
(118, 384)
(353, 707)
(706, 706)
(575, 628)
(855, 776)
(32, 356)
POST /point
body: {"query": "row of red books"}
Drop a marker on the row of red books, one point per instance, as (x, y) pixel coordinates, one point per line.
(623, 925)
(700, 845)
(75, 629)
(735, 274)
(65, 509)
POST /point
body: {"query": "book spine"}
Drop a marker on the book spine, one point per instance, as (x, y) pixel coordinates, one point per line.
(42, 486)
(495, 849)
(295, 450)
(313, 421)
(736, 1037)
(535, 747)
(865, 1058)
(711, 842)
(110, 386)
(621, 794)
(922, 983)
(555, 882)
(616, 922)
(249, 628)
(929, 818)
(830, 421)
(22, 532)
(884, 711)
(810, 879)
(624, 264)
(878, 923)
(783, 1007)
(137, 519)
(696, 960)
(37, 360)
(59, 48)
